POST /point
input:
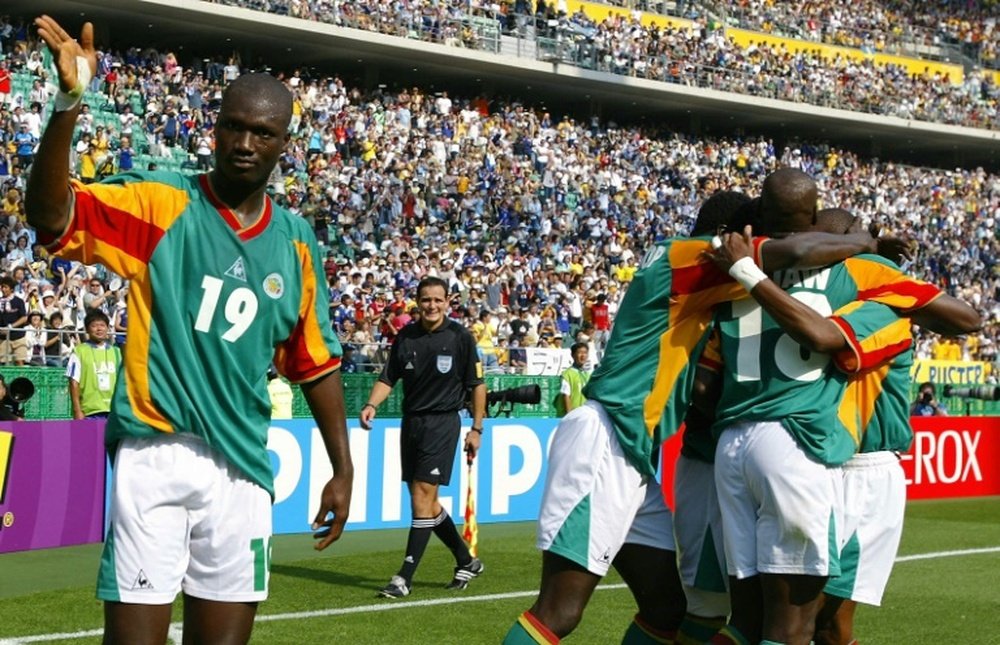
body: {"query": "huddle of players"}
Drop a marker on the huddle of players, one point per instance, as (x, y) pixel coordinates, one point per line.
(789, 494)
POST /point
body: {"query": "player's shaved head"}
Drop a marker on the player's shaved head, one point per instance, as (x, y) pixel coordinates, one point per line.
(836, 220)
(718, 211)
(788, 201)
(266, 94)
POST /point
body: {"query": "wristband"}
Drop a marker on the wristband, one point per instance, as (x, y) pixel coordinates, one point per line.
(478, 431)
(69, 100)
(747, 273)
(369, 405)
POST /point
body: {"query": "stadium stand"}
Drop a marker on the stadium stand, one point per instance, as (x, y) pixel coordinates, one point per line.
(700, 53)
(529, 216)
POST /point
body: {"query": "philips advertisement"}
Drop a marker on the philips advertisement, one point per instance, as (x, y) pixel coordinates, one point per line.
(508, 474)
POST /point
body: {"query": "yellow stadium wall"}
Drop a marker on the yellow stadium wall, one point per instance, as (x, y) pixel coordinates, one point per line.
(743, 38)
(598, 12)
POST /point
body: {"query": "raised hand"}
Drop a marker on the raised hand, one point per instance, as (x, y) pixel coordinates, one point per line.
(733, 247)
(65, 50)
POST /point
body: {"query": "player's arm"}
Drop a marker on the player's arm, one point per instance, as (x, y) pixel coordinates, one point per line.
(947, 316)
(806, 327)
(380, 392)
(821, 249)
(48, 198)
(325, 397)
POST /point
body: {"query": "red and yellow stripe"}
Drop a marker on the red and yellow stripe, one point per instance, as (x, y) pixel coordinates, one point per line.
(881, 283)
(304, 357)
(119, 225)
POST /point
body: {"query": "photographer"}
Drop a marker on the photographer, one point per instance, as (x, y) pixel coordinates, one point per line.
(927, 404)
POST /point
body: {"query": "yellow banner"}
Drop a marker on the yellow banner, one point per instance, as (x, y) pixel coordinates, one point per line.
(949, 372)
(745, 38)
(598, 12)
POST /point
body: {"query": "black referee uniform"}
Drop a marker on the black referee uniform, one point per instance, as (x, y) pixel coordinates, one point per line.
(438, 369)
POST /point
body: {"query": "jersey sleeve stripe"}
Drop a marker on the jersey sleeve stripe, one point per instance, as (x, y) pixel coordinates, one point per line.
(109, 223)
(690, 270)
(306, 354)
(847, 360)
(758, 256)
(876, 348)
(885, 284)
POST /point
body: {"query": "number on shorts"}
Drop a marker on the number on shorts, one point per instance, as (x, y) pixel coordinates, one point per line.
(261, 549)
(239, 310)
(791, 359)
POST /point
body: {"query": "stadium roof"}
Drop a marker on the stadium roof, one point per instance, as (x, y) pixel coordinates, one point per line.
(196, 27)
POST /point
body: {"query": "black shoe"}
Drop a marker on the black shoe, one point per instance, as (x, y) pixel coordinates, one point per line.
(464, 574)
(397, 588)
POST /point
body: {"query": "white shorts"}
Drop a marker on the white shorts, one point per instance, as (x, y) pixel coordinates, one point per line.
(777, 504)
(654, 523)
(701, 556)
(874, 502)
(182, 518)
(592, 493)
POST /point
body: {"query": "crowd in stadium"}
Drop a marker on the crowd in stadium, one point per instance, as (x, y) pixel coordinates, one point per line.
(537, 221)
(701, 56)
(897, 26)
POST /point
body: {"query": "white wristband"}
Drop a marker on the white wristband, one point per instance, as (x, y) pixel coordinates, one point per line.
(69, 100)
(747, 273)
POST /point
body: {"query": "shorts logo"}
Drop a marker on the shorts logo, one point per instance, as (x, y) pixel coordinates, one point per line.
(274, 285)
(142, 582)
(444, 364)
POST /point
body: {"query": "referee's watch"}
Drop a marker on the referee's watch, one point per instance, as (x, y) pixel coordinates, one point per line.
(478, 431)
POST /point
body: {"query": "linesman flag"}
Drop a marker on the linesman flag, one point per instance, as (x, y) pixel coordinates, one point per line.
(471, 531)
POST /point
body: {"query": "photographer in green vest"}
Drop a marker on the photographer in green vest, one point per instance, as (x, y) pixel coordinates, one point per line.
(573, 379)
(93, 369)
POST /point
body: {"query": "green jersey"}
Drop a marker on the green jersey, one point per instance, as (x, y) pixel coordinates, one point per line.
(211, 305)
(878, 389)
(645, 377)
(770, 377)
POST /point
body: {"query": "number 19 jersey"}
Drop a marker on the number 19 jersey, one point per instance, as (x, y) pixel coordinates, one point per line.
(770, 377)
(211, 305)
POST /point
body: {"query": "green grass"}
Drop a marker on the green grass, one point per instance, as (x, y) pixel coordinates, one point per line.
(940, 600)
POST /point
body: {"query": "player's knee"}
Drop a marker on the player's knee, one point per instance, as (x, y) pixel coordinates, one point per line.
(560, 617)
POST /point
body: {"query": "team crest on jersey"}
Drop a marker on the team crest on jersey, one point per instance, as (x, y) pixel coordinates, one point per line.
(237, 271)
(444, 364)
(274, 285)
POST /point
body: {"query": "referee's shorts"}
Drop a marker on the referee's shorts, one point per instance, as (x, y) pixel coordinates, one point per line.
(427, 446)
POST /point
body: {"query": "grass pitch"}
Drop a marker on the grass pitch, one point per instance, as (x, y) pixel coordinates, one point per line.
(950, 596)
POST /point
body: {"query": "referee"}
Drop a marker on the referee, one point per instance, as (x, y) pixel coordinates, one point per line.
(438, 364)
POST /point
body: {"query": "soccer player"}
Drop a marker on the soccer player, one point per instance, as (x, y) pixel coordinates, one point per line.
(597, 495)
(223, 283)
(873, 492)
(777, 437)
